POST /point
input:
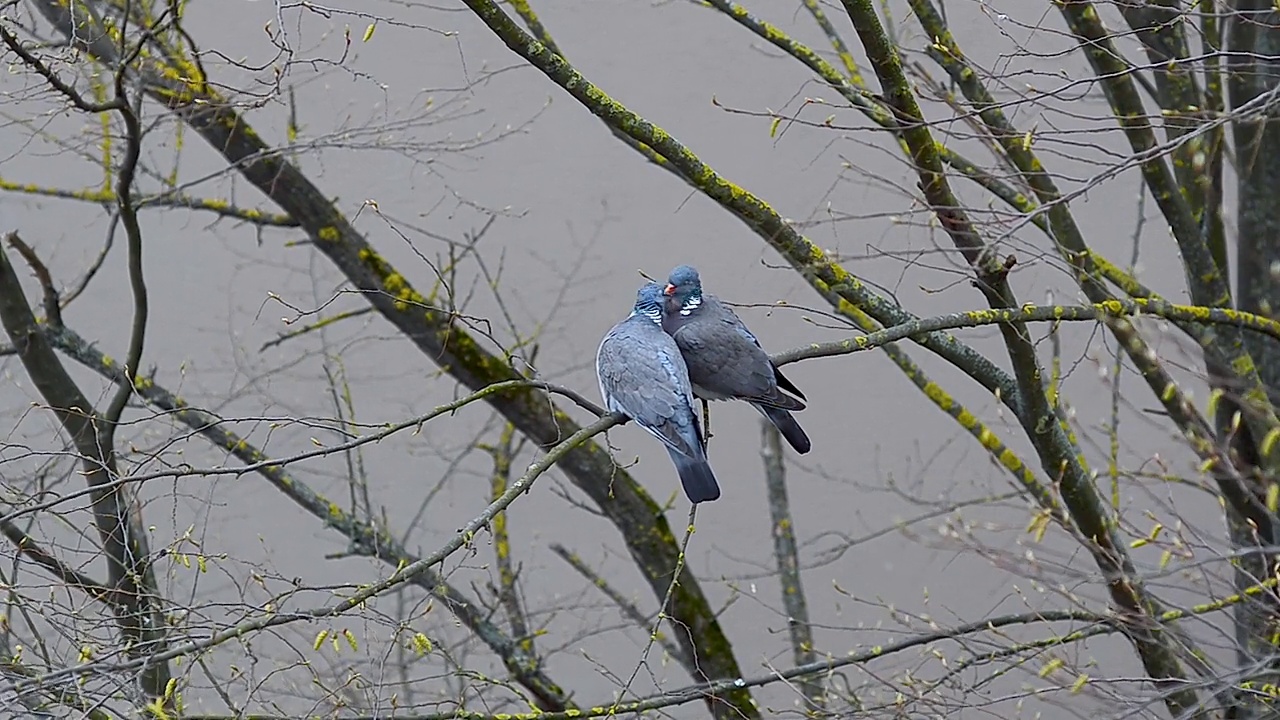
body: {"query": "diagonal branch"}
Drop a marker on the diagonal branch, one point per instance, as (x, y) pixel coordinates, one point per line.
(437, 333)
(402, 575)
(115, 509)
(1184, 105)
(1058, 454)
(373, 541)
(28, 547)
(1223, 347)
(1208, 285)
(839, 287)
(628, 608)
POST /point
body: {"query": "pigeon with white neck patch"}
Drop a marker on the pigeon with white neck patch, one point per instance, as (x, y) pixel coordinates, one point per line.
(724, 359)
(643, 376)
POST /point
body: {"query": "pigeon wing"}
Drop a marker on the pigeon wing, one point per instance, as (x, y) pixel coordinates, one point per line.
(722, 355)
(643, 376)
(773, 397)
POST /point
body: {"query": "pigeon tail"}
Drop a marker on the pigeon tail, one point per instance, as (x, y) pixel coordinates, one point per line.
(779, 401)
(786, 384)
(696, 476)
(788, 426)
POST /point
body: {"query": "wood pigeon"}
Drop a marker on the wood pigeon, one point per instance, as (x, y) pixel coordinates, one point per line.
(643, 376)
(724, 359)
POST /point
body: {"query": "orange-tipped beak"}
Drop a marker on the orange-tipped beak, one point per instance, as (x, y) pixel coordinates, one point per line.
(669, 289)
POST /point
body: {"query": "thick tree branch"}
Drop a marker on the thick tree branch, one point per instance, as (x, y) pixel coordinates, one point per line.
(371, 540)
(29, 548)
(848, 295)
(404, 574)
(1036, 313)
(1207, 283)
(1159, 26)
(829, 278)
(1223, 349)
(1059, 456)
(115, 510)
(1252, 74)
(437, 333)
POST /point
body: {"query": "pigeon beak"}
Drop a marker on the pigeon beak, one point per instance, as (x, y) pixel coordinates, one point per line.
(669, 289)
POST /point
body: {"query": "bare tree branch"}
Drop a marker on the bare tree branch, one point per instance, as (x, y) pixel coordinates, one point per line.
(1058, 453)
(508, 587)
(373, 541)
(437, 333)
(115, 510)
(628, 608)
(28, 547)
(404, 574)
(165, 201)
(784, 553)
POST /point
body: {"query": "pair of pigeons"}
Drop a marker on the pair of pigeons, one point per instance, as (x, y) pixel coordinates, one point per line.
(677, 344)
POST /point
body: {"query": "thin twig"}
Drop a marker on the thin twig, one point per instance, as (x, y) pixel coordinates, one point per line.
(277, 618)
(627, 607)
(656, 628)
(317, 325)
(1095, 625)
(28, 547)
(67, 341)
(62, 695)
(116, 513)
(375, 542)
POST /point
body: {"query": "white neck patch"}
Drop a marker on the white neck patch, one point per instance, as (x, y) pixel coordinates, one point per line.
(691, 304)
(653, 313)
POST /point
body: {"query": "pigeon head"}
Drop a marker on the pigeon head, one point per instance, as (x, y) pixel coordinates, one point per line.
(649, 299)
(684, 288)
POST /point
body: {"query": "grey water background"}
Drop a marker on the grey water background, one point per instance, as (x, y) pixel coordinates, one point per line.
(400, 133)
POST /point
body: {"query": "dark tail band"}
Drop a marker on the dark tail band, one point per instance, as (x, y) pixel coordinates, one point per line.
(789, 428)
(696, 477)
(786, 384)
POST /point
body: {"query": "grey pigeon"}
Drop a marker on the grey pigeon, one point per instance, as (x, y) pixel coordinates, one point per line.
(643, 376)
(725, 360)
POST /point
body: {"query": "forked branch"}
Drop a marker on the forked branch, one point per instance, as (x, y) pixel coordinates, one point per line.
(116, 512)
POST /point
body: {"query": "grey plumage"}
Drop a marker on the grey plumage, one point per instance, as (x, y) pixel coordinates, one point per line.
(643, 376)
(724, 359)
